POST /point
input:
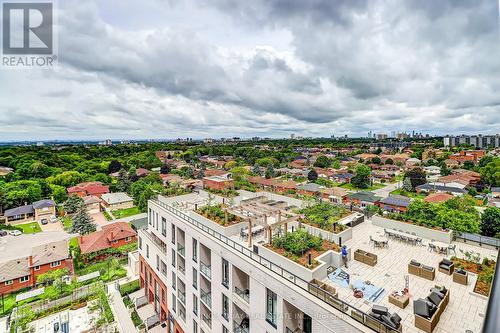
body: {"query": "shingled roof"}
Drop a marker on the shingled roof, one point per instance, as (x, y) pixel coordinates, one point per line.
(103, 239)
(14, 269)
(50, 252)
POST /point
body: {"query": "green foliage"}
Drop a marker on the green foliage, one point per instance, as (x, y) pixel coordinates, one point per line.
(490, 222)
(361, 178)
(269, 171)
(325, 216)
(239, 174)
(490, 173)
(417, 177)
(82, 222)
(129, 287)
(217, 214)
(59, 193)
(322, 162)
(297, 242)
(67, 178)
(456, 214)
(121, 213)
(312, 175)
(52, 275)
(18, 193)
(72, 204)
(136, 319)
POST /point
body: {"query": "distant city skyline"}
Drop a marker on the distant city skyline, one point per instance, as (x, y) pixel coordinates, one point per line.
(268, 68)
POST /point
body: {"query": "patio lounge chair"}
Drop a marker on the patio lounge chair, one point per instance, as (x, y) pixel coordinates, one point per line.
(446, 266)
(460, 276)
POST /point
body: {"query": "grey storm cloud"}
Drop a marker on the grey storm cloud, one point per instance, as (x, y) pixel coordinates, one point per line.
(221, 67)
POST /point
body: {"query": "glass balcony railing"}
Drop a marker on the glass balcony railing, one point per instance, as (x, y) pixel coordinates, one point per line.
(207, 320)
(243, 294)
(181, 249)
(206, 297)
(181, 295)
(206, 270)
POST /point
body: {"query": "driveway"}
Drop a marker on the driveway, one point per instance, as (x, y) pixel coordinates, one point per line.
(12, 247)
(57, 226)
(100, 220)
(385, 191)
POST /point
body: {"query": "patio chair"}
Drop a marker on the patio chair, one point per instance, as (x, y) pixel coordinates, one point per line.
(371, 240)
(452, 248)
(432, 247)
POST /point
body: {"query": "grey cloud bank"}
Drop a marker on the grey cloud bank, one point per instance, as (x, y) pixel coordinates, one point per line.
(225, 67)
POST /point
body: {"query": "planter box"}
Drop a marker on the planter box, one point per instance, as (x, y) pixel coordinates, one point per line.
(461, 278)
(365, 257)
(423, 271)
(427, 233)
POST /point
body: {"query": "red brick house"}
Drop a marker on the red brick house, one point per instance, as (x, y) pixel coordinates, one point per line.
(20, 273)
(112, 235)
(283, 187)
(261, 182)
(218, 182)
(88, 189)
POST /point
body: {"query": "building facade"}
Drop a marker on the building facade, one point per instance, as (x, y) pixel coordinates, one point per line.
(202, 280)
(478, 141)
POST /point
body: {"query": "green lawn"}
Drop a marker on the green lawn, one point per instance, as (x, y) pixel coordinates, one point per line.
(67, 223)
(106, 215)
(121, 213)
(413, 195)
(30, 228)
(110, 270)
(73, 242)
(375, 186)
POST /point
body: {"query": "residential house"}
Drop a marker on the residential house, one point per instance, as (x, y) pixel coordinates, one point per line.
(298, 164)
(261, 182)
(37, 211)
(92, 204)
(142, 172)
(342, 177)
(362, 199)
(412, 162)
(117, 200)
(218, 182)
(439, 197)
(383, 176)
(495, 192)
(88, 188)
(395, 203)
(430, 188)
(20, 273)
(311, 189)
(432, 170)
(211, 172)
(5, 170)
(110, 236)
(451, 163)
(334, 194)
(285, 186)
(170, 179)
(470, 155)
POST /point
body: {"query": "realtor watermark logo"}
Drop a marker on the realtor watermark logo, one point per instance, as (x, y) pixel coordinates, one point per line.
(28, 36)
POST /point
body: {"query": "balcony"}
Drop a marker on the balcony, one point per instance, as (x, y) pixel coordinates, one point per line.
(206, 270)
(182, 313)
(243, 294)
(241, 329)
(297, 330)
(181, 295)
(207, 320)
(157, 242)
(181, 249)
(206, 297)
(295, 320)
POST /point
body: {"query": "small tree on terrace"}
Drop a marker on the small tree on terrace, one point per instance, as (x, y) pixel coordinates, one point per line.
(82, 222)
(490, 222)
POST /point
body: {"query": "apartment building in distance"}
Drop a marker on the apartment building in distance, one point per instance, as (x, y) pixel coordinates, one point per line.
(478, 141)
(221, 275)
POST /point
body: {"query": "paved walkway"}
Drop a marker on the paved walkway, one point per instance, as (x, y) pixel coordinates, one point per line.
(386, 190)
(120, 311)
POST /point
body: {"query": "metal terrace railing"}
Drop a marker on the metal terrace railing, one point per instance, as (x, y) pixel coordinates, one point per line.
(492, 318)
(353, 312)
(479, 239)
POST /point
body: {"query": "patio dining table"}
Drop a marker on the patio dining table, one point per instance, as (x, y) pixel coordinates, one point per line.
(255, 230)
(443, 247)
(399, 233)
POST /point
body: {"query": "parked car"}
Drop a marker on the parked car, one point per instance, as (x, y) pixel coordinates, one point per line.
(44, 221)
(15, 233)
(3, 233)
(53, 219)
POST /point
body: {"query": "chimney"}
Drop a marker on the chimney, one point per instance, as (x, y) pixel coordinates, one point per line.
(81, 239)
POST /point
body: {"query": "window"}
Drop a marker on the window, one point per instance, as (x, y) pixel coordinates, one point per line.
(55, 263)
(164, 226)
(195, 278)
(24, 278)
(225, 307)
(195, 304)
(173, 258)
(140, 243)
(156, 220)
(37, 268)
(163, 268)
(174, 280)
(150, 220)
(271, 307)
(142, 267)
(195, 326)
(225, 273)
(147, 250)
(8, 283)
(128, 239)
(224, 329)
(174, 303)
(157, 262)
(173, 234)
(195, 250)
(115, 241)
(163, 295)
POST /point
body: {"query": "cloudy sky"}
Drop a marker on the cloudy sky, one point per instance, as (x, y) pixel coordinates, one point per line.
(219, 68)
